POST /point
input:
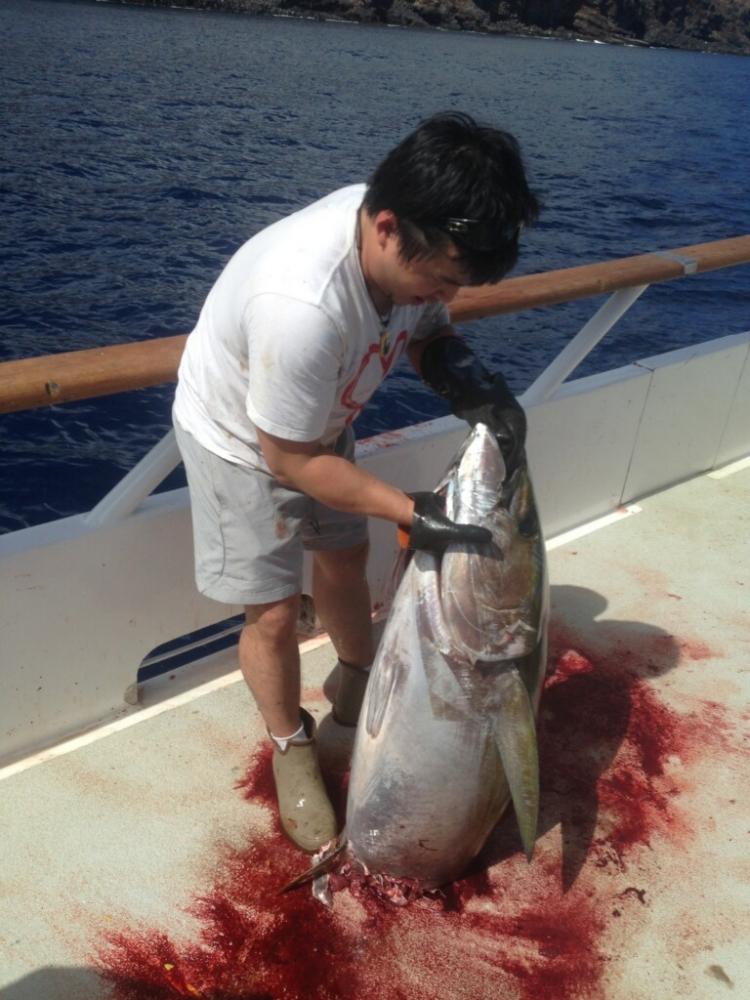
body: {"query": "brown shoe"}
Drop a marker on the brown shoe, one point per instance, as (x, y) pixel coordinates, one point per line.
(349, 694)
(305, 810)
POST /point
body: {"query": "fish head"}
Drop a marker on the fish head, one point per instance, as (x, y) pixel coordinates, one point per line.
(491, 596)
(473, 484)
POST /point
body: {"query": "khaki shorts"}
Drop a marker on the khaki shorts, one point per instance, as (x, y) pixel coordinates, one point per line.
(249, 532)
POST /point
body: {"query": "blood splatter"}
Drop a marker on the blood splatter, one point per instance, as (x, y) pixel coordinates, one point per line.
(257, 782)
(696, 650)
(256, 944)
(548, 929)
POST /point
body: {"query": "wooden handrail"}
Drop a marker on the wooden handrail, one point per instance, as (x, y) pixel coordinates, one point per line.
(62, 378)
(553, 287)
(99, 371)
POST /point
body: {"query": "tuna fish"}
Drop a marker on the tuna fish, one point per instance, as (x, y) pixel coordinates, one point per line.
(447, 733)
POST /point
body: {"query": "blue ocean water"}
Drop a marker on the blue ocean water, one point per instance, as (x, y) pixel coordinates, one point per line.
(141, 146)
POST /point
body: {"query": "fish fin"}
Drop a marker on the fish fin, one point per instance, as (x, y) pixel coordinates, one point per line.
(382, 683)
(449, 692)
(515, 738)
(389, 673)
(326, 864)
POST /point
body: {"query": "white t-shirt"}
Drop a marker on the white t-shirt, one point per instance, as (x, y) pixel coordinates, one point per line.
(288, 339)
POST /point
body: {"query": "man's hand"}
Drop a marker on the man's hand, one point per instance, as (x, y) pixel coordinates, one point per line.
(450, 367)
(432, 530)
(492, 403)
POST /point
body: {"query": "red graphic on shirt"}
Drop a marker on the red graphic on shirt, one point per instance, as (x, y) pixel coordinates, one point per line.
(373, 368)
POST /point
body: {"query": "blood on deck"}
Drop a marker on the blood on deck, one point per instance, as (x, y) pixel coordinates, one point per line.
(551, 928)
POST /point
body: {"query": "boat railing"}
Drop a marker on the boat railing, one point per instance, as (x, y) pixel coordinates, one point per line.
(85, 374)
(58, 378)
(95, 605)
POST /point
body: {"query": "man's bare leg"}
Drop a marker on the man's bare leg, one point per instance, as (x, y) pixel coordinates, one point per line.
(342, 601)
(269, 661)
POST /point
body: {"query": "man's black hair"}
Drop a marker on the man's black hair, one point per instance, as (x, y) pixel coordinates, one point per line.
(454, 179)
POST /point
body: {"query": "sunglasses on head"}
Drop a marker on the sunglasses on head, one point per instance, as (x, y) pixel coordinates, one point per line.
(476, 234)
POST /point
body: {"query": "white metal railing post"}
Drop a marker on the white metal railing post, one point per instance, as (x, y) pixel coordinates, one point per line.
(133, 488)
(547, 384)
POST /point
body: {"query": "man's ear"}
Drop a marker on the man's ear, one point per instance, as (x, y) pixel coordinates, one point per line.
(386, 226)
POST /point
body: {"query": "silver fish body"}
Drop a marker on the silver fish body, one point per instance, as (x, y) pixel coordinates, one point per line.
(447, 732)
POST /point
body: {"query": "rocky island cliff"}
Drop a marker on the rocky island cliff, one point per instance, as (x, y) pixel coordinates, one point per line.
(699, 25)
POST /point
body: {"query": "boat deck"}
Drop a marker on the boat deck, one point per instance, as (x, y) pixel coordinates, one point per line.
(143, 860)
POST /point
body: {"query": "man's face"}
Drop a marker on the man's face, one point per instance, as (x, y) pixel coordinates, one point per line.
(433, 279)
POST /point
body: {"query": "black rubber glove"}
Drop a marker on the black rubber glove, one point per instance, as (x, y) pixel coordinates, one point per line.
(452, 370)
(432, 530)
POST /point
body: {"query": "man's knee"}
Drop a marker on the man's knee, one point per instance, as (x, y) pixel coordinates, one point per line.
(274, 623)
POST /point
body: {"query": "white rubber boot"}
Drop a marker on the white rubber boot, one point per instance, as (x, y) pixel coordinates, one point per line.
(305, 810)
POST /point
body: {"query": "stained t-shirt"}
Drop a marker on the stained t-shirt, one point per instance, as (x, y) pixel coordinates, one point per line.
(288, 339)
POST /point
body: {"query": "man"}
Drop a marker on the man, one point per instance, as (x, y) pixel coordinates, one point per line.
(299, 330)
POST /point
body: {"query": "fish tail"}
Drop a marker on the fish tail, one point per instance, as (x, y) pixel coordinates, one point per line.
(326, 864)
(515, 738)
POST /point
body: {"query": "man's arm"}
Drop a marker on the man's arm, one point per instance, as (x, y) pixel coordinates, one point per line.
(334, 481)
(416, 348)
(449, 366)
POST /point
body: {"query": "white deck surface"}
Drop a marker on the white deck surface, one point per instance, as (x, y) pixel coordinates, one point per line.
(640, 885)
